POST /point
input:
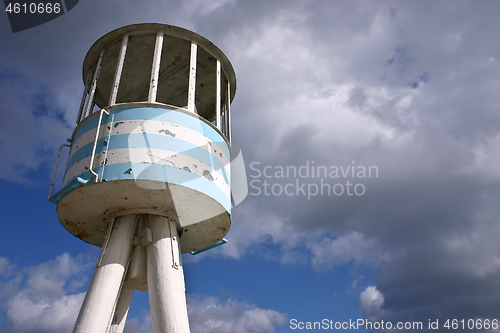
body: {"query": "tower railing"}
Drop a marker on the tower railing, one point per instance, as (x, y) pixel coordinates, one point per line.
(203, 72)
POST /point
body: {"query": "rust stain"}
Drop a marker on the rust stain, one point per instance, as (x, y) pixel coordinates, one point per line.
(222, 229)
(77, 230)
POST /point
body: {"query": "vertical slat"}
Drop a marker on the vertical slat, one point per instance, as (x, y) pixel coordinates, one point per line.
(90, 101)
(192, 78)
(155, 70)
(218, 98)
(224, 120)
(84, 97)
(118, 72)
(228, 111)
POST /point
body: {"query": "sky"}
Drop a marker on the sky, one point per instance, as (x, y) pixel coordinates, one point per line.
(397, 100)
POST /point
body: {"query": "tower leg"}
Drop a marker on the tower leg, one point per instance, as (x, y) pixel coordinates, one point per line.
(121, 311)
(100, 300)
(167, 295)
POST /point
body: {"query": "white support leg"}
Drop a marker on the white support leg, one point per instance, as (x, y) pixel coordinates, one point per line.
(167, 295)
(121, 311)
(100, 300)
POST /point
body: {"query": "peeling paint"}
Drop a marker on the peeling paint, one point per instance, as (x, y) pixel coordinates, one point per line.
(186, 169)
(167, 132)
(118, 124)
(128, 172)
(207, 175)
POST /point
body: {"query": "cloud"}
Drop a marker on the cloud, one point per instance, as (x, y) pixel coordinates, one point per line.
(329, 252)
(43, 298)
(370, 303)
(47, 298)
(403, 86)
(28, 315)
(32, 126)
(412, 93)
(209, 314)
(141, 324)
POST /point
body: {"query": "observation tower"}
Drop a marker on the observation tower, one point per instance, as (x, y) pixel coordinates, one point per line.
(148, 173)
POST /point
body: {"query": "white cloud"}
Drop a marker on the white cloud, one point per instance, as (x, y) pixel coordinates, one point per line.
(204, 8)
(26, 314)
(209, 314)
(370, 303)
(142, 324)
(5, 266)
(486, 159)
(44, 298)
(263, 229)
(329, 252)
(32, 127)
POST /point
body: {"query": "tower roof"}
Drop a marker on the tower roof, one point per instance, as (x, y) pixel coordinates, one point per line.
(175, 39)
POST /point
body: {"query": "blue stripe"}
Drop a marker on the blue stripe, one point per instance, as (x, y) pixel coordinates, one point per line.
(84, 152)
(163, 142)
(90, 125)
(162, 173)
(170, 116)
(159, 114)
(153, 141)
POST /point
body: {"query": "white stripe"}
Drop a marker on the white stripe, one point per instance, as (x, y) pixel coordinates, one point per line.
(152, 156)
(154, 127)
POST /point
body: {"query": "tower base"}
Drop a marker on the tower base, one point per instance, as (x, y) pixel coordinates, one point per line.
(106, 304)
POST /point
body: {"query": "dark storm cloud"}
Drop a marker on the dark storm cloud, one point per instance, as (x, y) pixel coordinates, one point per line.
(423, 86)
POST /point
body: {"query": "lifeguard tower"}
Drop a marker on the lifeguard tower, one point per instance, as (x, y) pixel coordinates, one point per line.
(148, 171)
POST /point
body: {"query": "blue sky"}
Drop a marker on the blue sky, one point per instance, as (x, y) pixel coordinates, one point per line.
(410, 88)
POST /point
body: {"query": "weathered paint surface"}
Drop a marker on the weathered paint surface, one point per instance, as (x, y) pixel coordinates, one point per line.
(100, 299)
(149, 157)
(150, 136)
(121, 311)
(167, 295)
(149, 160)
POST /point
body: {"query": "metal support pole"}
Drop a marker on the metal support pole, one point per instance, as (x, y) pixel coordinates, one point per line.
(121, 311)
(192, 78)
(101, 298)
(167, 295)
(97, 131)
(229, 111)
(90, 101)
(218, 98)
(155, 69)
(84, 97)
(118, 72)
